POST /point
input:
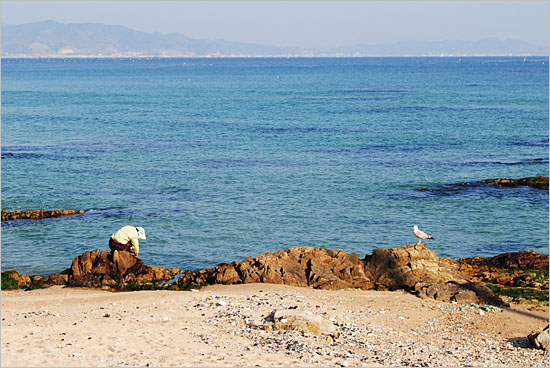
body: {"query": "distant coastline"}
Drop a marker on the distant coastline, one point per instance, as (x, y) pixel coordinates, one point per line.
(54, 39)
(145, 56)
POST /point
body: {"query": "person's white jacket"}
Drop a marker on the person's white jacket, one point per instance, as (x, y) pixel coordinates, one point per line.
(128, 234)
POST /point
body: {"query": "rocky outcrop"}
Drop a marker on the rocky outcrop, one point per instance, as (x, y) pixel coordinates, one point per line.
(410, 267)
(539, 182)
(37, 214)
(523, 260)
(414, 268)
(523, 275)
(299, 266)
(114, 270)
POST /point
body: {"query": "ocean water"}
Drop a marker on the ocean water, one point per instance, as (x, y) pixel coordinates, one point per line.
(221, 159)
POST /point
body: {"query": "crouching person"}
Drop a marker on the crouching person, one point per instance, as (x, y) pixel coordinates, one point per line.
(126, 238)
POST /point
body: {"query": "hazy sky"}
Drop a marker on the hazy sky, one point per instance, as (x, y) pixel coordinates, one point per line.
(304, 23)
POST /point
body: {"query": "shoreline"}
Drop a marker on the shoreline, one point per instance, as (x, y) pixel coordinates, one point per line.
(522, 276)
(225, 325)
(283, 56)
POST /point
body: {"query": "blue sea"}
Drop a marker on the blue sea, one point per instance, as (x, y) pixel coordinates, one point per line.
(221, 159)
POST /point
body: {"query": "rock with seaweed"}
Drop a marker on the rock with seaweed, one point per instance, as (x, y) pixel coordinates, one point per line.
(521, 276)
(37, 214)
(539, 182)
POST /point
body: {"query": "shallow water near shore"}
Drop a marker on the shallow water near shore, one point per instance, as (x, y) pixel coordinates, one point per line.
(221, 159)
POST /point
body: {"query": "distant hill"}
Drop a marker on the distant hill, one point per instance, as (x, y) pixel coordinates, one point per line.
(51, 38)
(54, 38)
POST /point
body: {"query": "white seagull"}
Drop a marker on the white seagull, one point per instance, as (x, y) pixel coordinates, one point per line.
(420, 235)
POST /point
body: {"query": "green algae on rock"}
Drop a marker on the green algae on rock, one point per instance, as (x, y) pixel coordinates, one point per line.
(539, 182)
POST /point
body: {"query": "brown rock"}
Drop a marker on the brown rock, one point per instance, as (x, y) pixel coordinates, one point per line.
(517, 269)
(539, 182)
(462, 293)
(298, 266)
(408, 265)
(105, 269)
(37, 214)
(298, 320)
(123, 261)
(56, 279)
(21, 279)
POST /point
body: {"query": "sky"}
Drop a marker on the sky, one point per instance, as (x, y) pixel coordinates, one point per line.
(315, 24)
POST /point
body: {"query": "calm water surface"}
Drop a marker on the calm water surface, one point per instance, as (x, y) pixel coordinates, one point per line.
(221, 159)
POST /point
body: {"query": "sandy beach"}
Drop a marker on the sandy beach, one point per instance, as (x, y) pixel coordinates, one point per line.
(225, 326)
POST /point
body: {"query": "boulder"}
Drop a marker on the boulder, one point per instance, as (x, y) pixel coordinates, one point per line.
(539, 338)
(410, 265)
(460, 292)
(104, 269)
(298, 320)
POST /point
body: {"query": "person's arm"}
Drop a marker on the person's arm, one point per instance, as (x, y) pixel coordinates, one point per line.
(135, 246)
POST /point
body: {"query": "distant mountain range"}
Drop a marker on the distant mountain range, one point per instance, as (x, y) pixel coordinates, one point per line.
(51, 38)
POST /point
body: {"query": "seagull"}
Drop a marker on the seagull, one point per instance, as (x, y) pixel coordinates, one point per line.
(420, 235)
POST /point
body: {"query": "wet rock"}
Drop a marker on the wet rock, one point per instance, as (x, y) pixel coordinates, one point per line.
(539, 182)
(37, 214)
(298, 320)
(539, 338)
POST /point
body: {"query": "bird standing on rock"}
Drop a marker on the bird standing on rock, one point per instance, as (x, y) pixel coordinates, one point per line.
(420, 235)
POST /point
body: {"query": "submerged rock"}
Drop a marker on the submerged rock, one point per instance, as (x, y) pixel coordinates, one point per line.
(539, 182)
(37, 214)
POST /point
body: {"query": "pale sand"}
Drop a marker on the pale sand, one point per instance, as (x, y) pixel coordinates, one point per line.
(83, 327)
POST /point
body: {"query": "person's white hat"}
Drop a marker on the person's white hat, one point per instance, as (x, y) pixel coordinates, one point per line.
(141, 232)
